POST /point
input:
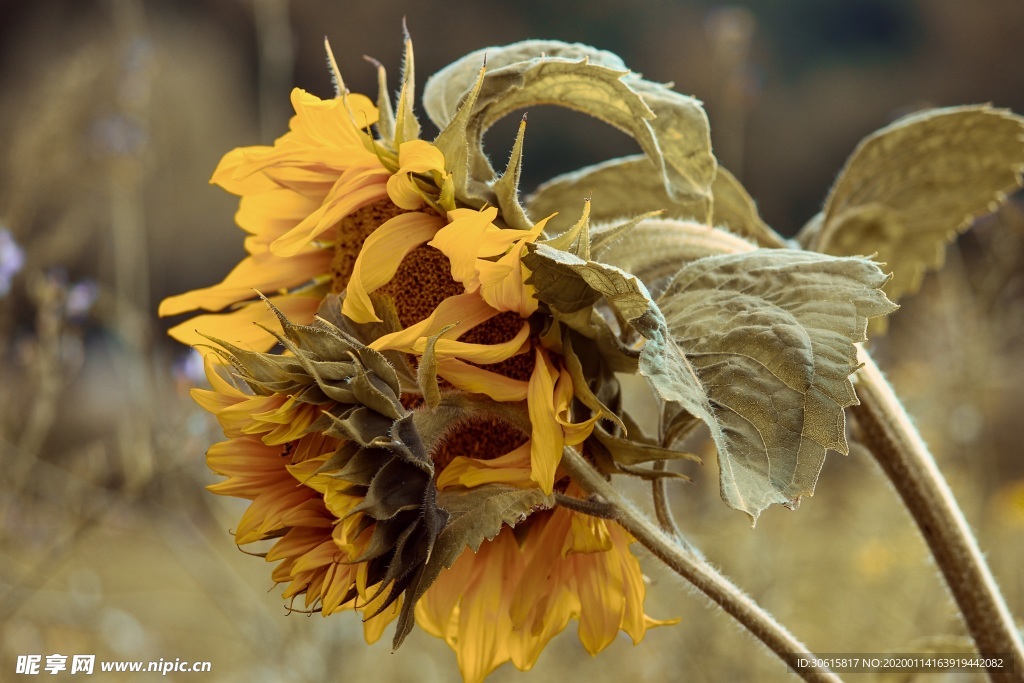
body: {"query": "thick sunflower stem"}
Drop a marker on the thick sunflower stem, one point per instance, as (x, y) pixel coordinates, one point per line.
(896, 445)
(693, 568)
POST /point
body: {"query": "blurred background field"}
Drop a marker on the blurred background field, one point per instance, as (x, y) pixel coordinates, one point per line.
(112, 117)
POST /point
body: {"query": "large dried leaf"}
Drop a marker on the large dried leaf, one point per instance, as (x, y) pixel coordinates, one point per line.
(619, 189)
(655, 249)
(445, 90)
(771, 335)
(912, 187)
(683, 132)
(670, 128)
(630, 186)
(474, 515)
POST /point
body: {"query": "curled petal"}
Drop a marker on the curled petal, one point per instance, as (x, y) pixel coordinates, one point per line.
(481, 381)
(462, 242)
(464, 311)
(546, 439)
(380, 257)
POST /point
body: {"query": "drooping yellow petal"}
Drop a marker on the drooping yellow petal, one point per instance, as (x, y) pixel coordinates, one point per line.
(575, 432)
(545, 598)
(414, 156)
(262, 272)
(269, 214)
(512, 468)
(325, 136)
(503, 283)
(380, 257)
(356, 188)
(374, 628)
(482, 643)
(465, 311)
(588, 535)
(478, 353)
(239, 327)
(337, 122)
(546, 438)
(461, 242)
(437, 611)
(481, 381)
(601, 585)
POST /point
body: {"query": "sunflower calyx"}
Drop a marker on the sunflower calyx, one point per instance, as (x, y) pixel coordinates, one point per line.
(475, 515)
(381, 458)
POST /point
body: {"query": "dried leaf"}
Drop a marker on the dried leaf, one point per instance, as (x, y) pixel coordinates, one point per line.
(682, 131)
(657, 248)
(444, 91)
(671, 129)
(631, 186)
(771, 335)
(912, 187)
(619, 189)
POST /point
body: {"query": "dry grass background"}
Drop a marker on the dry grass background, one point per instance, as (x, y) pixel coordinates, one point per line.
(112, 116)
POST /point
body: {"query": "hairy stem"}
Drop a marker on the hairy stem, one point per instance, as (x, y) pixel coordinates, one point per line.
(903, 455)
(663, 511)
(694, 569)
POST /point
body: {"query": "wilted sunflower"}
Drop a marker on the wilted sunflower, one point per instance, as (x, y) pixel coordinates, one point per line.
(443, 348)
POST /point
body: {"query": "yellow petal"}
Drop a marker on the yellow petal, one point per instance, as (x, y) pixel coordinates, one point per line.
(337, 122)
(414, 157)
(405, 193)
(419, 156)
(589, 535)
(512, 468)
(262, 272)
(482, 643)
(461, 240)
(380, 257)
(356, 188)
(232, 173)
(546, 438)
(575, 432)
(544, 600)
(503, 284)
(478, 353)
(481, 381)
(374, 628)
(435, 611)
(272, 213)
(546, 580)
(465, 311)
(239, 327)
(601, 585)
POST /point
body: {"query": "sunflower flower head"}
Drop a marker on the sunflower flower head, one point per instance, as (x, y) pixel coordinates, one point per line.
(440, 346)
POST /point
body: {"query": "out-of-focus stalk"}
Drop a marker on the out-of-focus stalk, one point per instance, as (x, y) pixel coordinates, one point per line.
(903, 455)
